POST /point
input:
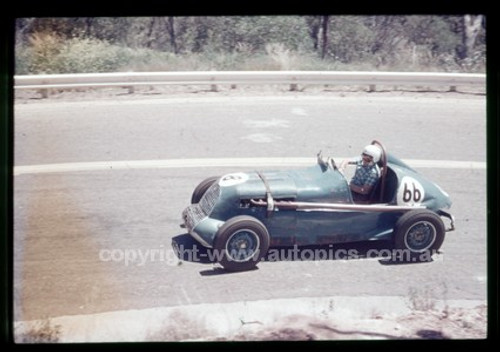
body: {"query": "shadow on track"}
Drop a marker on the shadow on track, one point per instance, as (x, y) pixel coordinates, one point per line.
(190, 250)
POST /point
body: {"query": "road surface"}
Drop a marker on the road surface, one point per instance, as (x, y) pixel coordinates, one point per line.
(99, 239)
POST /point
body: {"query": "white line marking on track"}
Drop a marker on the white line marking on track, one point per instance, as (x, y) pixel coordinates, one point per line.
(299, 112)
(216, 162)
(262, 138)
(267, 123)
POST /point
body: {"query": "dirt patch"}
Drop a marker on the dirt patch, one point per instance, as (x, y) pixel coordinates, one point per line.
(455, 323)
(301, 319)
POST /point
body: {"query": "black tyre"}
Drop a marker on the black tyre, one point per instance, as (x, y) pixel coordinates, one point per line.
(420, 233)
(200, 190)
(241, 243)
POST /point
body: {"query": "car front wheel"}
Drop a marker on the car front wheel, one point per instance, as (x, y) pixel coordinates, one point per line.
(241, 243)
(419, 233)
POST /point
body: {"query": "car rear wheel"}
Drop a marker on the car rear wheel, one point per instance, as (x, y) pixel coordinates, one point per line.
(419, 233)
(241, 243)
(200, 190)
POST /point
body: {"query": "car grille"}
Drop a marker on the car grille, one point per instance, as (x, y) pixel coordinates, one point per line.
(207, 202)
(193, 215)
(197, 212)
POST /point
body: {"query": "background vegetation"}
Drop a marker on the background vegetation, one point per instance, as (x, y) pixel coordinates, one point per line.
(383, 43)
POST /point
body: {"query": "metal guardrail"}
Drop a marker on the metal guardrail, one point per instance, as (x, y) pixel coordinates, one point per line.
(130, 79)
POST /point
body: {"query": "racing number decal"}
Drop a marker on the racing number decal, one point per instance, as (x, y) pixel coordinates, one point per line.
(410, 191)
(233, 179)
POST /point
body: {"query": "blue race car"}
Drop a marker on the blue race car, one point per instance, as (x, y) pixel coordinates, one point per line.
(241, 215)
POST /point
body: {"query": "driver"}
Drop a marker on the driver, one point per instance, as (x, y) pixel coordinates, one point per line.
(367, 173)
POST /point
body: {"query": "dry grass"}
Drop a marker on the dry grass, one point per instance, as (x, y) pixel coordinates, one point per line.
(42, 332)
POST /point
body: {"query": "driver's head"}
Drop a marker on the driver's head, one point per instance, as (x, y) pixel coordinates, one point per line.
(373, 152)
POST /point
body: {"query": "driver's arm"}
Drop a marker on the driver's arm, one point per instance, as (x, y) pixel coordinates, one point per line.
(346, 162)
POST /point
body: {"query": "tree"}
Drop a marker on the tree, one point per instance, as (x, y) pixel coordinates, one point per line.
(313, 24)
(318, 27)
(472, 26)
(169, 21)
(324, 28)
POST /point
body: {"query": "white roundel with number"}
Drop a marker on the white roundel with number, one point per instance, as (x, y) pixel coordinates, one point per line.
(233, 179)
(410, 192)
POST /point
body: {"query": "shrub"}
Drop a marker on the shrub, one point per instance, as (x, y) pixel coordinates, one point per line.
(50, 54)
(90, 55)
(39, 56)
(42, 332)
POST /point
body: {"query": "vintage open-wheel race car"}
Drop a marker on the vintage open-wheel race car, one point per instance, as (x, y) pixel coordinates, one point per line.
(241, 215)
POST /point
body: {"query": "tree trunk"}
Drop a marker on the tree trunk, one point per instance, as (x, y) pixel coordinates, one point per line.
(324, 44)
(314, 27)
(472, 27)
(171, 32)
(149, 36)
(89, 21)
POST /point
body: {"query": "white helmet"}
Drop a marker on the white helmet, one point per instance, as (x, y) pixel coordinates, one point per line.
(373, 151)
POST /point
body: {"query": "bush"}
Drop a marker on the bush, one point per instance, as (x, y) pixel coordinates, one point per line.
(350, 40)
(89, 55)
(49, 54)
(39, 56)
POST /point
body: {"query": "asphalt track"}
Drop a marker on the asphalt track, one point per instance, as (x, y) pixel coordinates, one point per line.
(100, 185)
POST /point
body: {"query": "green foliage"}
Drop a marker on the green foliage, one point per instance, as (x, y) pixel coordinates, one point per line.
(50, 54)
(89, 55)
(105, 44)
(432, 32)
(38, 56)
(350, 39)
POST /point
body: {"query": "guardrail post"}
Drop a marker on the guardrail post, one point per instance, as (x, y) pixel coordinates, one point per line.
(44, 93)
(213, 87)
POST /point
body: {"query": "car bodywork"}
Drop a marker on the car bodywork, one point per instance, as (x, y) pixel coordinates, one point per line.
(313, 205)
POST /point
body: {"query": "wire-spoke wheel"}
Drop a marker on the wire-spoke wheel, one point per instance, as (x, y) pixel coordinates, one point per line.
(419, 233)
(241, 243)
